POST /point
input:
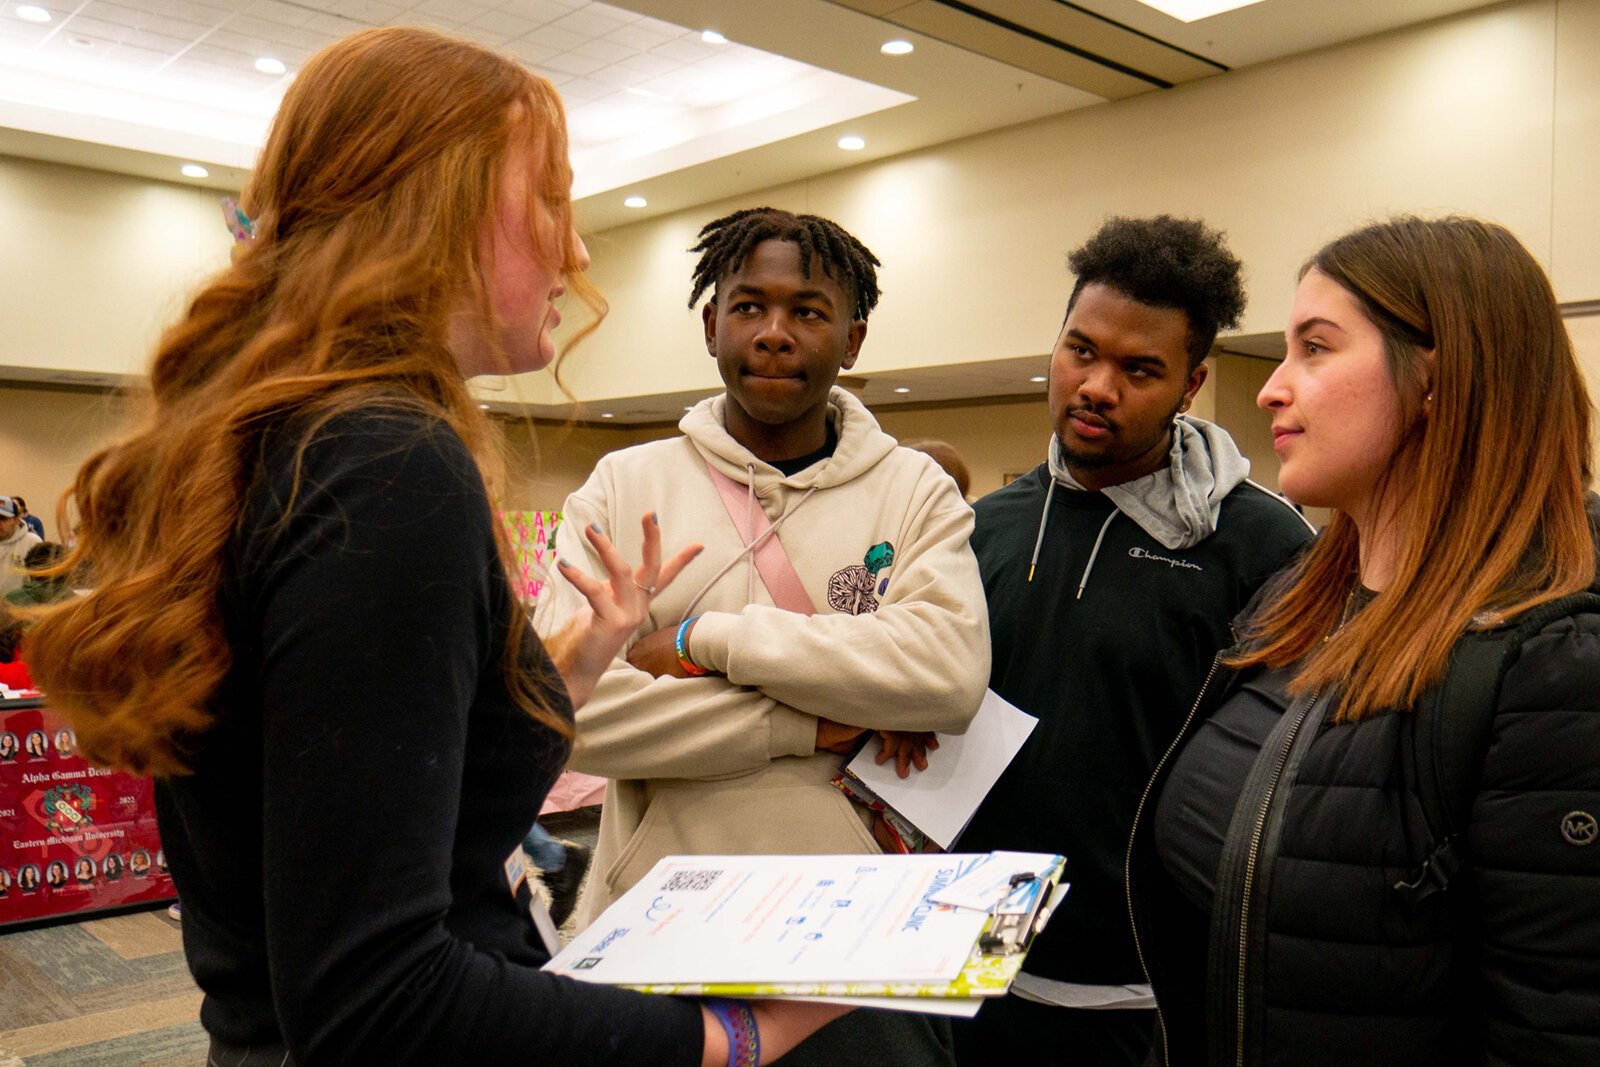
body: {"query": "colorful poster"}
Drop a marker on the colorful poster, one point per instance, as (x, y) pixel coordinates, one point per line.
(73, 837)
(533, 543)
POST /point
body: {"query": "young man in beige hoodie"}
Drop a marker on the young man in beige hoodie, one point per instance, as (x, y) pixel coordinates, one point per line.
(729, 747)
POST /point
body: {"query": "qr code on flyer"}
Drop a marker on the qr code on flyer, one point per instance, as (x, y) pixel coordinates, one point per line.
(690, 880)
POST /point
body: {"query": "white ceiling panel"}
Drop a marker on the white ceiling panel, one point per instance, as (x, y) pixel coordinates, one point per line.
(654, 109)
(158, 70)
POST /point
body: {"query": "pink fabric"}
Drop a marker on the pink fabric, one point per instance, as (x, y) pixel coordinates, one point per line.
(573, 790)
(772, 562)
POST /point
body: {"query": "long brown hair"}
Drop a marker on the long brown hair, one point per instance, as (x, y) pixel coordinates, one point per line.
(370, 196)
(1488, 487)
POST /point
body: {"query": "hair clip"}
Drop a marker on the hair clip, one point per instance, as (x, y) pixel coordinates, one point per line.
(238, 223)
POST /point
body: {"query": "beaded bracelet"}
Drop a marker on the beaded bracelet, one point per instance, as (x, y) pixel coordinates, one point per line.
(739, 1022)
(689, 666)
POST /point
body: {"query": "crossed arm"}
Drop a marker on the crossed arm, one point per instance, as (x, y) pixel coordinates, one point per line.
(786, 684)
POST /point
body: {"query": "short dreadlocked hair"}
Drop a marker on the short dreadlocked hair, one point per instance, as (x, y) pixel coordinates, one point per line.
(727, 242)
(1170, 263)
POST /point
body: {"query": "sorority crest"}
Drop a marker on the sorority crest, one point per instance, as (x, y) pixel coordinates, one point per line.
(852, 590)
(67, 807)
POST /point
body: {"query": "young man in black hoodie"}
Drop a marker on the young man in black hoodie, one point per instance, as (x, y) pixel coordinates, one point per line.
(1112, 572)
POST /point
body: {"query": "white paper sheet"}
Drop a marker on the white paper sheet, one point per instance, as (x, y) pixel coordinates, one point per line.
(988, 882)
(940, 800)
(790, 919)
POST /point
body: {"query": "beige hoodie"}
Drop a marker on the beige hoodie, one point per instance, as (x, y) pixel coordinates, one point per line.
(727, 765)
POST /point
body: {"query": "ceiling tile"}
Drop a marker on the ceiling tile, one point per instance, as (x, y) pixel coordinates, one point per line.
(99, 29)
(666, 29)
(131, 53)
(456, 11)
(638, 38)
(156, 42)
(371, 12)
(684, 50)
(507, 25)
(271, 32)
(174, 12)
(281, 13)
(540, 10)
(530, 51)
(649, 65)
(253, 45)
(556, 39)
(592, 21)
(572, 63)
(335, 26)
(606, 51)
(229, 59)
(618, 77)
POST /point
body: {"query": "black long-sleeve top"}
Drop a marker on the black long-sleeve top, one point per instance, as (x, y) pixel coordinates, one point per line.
(341, 849)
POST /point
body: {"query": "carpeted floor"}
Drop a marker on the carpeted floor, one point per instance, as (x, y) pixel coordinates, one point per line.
(103, 992)
(116, 992)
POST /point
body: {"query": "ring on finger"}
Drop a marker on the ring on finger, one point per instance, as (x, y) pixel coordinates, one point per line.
(648, 590)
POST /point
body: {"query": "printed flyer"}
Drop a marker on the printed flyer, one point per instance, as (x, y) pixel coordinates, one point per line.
(533, 544)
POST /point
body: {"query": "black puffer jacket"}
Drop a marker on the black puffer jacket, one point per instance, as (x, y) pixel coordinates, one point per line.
(1503, 968)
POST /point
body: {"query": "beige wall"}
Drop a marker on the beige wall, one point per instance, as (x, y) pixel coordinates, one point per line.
(1495, 113)
(550, 461)
(93, 265)
(45, 436)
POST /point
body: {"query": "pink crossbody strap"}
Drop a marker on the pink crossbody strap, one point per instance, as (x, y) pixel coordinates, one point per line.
(772, 562)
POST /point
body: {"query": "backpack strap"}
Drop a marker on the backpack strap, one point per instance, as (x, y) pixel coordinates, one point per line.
(771, 561)
(1451, 731)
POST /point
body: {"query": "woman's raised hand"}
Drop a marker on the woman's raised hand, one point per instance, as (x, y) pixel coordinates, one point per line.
(617, 606)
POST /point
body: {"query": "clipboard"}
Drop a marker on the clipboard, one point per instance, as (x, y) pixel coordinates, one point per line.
(993, 956)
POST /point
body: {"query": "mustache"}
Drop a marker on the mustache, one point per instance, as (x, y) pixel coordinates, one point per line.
(1094, 416)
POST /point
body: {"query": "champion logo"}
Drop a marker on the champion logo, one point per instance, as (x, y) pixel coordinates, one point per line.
(1139, 553)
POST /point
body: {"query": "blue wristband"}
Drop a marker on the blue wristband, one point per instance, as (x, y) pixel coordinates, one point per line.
(690, 667)
(739, 1022)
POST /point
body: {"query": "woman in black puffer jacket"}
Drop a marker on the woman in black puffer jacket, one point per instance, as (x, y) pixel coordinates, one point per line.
(1414, 705)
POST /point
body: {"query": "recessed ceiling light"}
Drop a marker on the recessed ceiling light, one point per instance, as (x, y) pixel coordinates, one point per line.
(485, 407)
(32, 13)
(1037, 378)
(902, 388)
(897, 48)
(712, 37)
(80, 42)
(852, 143)
(268, 65)
(194, 170)
(636, 201)
(607, 415)
(1191, 10)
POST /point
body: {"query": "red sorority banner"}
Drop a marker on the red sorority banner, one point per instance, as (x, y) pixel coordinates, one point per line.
(73, 837)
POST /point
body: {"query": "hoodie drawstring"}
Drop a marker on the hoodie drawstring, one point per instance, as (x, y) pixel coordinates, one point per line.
(1084, 581)
(1038, 542)
(749, 550)
(1043, 521)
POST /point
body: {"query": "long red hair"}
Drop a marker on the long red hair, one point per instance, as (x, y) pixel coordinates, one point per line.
(370, 196)
(1487, 490)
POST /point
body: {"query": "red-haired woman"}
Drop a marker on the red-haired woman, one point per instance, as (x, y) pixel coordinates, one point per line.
(1373, 841)
(313, 642)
